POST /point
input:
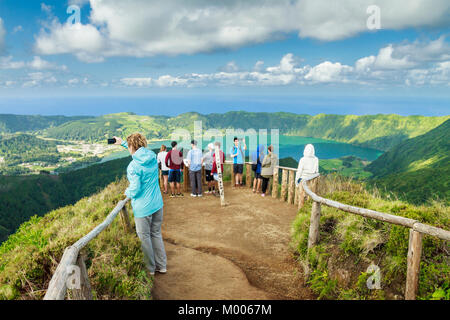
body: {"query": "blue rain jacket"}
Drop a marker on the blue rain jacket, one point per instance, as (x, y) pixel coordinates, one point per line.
(144, 192)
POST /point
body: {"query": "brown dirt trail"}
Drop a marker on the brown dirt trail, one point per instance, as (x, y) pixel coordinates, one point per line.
(240, 251)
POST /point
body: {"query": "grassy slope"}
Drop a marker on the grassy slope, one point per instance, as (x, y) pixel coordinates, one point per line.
(115, 261)
(376, 131)
(349, 244)
(418, 169)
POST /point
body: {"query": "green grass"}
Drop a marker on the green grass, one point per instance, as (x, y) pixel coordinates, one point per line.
(115, 261)
(351, 167)
(417, 169)
(350, 243)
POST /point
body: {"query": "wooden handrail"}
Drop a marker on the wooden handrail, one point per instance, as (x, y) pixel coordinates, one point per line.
(57, 287)
(381, 216)
(417, 229)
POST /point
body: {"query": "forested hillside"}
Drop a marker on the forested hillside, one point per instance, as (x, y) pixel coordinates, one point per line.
(10, 123)
(25, 196)
(417, 169)
(375, 131)
(25, 148)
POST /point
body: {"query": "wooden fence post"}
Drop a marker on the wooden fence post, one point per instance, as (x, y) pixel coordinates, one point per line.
(291, 191)
(301, 196)
(297, 194)
(233, 177)
(248, 175)
(203, 176)
(125, 219)
(414, 254)
(284, 184)
(313, 237)
(275, 183)
(85, 291)
(186, 179)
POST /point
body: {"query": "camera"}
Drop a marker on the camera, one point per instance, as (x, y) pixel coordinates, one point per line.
(112, 141)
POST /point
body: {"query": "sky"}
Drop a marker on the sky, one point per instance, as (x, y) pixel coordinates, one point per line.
(169, 57)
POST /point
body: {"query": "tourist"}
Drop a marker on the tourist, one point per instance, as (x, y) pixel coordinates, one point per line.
(208, 164)
(257, 159)
(194, 162)
(307, 167)
(268, 166)
(238, 156)
(146, 200)
(162, 165)
(214, 167)
(174, 160)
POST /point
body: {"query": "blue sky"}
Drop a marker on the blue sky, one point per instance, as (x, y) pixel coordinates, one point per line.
(154, 57)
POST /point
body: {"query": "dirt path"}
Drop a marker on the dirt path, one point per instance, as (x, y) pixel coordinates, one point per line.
(236, 252)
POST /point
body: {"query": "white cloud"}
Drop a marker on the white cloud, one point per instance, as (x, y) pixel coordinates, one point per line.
(417, 63)
(73, 81)
(148, 27)
(329, 72)
(39, 64)
(137, 82)
(8, 63)
(230, 67)
(36, 64)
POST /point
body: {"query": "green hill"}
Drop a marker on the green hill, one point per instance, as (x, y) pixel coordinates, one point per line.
(25, 196)
(11, 123)
(417, 169)
(374, 131)
(22, 148)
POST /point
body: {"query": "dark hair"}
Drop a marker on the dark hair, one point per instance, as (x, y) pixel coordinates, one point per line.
(235, 138)
(270, 148)
(174, 143)
(194, 142)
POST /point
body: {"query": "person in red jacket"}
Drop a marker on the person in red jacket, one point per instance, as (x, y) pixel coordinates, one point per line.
(174, 160)
(214, 167)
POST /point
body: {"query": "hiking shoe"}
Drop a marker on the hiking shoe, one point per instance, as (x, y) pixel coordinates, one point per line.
(180, 195)
(263, 195)
(172, 195)
(199, 195)
(193, 195)
(161, 270)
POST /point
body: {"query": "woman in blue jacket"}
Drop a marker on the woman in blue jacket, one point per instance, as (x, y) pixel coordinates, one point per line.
(146, 200)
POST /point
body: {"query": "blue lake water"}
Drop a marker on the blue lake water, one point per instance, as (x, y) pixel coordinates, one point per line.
(290, 146)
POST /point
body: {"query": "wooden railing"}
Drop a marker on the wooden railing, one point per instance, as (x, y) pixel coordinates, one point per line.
(417, 230)
(296, 195)
(57, 287)
(290, 193)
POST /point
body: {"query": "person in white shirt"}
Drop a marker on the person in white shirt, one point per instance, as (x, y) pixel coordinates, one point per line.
(208, 164)
(164, 169)
(307, 166)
